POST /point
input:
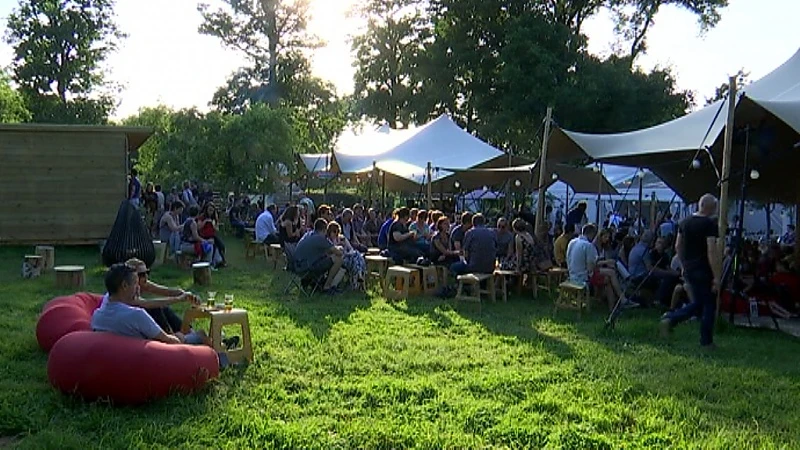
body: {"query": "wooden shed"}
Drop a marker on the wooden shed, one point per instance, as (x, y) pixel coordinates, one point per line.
(63, 184)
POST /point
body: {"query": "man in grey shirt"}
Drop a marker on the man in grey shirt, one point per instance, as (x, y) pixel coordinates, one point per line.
(480, 249)
(316, 255)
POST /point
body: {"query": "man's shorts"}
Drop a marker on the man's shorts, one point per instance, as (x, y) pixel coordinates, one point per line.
(321, 265)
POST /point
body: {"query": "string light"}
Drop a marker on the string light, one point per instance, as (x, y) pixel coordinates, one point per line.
(754, 174)
(554, 176)
(696, 164)
(457, 185)
(518, 183)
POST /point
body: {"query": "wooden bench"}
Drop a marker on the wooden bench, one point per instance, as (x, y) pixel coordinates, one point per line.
(474, 281)
(502, 280)
(274, 253)
(572, 296)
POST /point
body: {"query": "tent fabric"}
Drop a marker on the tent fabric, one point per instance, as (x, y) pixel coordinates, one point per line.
(770, 105)
(580, 179)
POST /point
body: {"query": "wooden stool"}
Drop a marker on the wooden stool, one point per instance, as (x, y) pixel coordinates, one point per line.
(274, 254)
(251, 247)
(397, 284)
(161, 253)
(572, 296)
(557, 275)
(474, 281)
(501, 277)
(32, 266)
(541, 282)
(372, 251)
(429, 278)
(49, 255)
(220, 318)
(376, 269)
(70, 276)
(201, 273)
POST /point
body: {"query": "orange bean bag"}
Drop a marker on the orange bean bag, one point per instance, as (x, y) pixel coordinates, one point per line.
(124, 370)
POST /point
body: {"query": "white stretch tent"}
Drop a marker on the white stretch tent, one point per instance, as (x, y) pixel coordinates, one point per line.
(660, 148)
(405, 154)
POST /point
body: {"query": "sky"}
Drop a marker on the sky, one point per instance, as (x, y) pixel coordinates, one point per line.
(165, 61)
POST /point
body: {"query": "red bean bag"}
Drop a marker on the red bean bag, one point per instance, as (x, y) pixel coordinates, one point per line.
(63, 315)
(125, 370)
(105, 366)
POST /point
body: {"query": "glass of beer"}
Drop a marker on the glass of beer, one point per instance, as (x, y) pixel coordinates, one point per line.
(228, 302)
(210, 299)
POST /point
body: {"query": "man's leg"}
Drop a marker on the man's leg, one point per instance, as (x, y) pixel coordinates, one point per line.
(160, 317)
(459, 268)
(707, 301)
(666, 284)
(172, 318)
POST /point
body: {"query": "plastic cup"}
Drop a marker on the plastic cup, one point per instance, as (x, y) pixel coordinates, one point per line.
(228, 302)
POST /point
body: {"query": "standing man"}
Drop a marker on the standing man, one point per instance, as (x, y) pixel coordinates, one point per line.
(696, 247)
(135, 189)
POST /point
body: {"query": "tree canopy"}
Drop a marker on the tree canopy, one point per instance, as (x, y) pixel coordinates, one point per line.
(59, 51)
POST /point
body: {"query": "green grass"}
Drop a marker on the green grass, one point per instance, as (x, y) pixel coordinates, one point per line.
(358, 372)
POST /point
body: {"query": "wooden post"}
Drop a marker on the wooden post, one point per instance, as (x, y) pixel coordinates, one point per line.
(724, 182)
(70, 277)
(599, 188)
(542, 198)
(32, 266)
(49, 255)
(653, 208)
(796, 241)
(429, 193)
(201, 273)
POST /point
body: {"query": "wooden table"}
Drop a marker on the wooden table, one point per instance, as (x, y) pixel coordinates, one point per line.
(220, 318)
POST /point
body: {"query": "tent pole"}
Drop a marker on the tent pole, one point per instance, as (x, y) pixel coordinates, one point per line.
(383, 190)
(599, 188)
(429, 173)
(639, 220)
(653, 204)
(724, 182)
(543, 170)
(796, 241)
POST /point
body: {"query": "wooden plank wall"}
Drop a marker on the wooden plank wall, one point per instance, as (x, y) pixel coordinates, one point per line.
(60, 187)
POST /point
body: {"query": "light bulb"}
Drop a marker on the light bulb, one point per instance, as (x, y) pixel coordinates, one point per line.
(348, 181)
(754, 174)
(457, 185)
(596, 169)
(554, 176)
(518, 183)
(695, 164)
(640, 173)
(485, 188)
(369, 175)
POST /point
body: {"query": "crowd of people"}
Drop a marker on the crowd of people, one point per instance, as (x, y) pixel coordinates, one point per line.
(627, 262)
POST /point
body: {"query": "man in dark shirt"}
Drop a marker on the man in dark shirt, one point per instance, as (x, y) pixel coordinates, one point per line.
(576, 215)
(458, 232)
(696, 246)
(663, 278)
(316, 255)
(504, 237)
(480, 249)
(401, 241)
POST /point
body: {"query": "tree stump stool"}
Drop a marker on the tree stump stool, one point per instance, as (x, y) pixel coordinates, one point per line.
(32, 266)
(373, 251)
(49, 254)
(429, 278)
(201, 273)
(70, 276)
(161, 253)
(397, 283)
(184, 260)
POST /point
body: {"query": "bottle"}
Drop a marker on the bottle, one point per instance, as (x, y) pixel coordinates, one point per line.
(753, 307)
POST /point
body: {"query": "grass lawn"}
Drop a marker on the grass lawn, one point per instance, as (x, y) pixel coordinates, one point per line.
(358, 372)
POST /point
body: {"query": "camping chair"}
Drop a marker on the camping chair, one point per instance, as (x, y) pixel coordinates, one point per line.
(304, 281)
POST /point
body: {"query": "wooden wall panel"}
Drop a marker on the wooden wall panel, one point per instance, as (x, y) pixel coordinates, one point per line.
(60, 186)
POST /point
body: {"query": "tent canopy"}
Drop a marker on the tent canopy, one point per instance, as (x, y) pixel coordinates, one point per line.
(769, 108)
(580, 179)
(404, 154)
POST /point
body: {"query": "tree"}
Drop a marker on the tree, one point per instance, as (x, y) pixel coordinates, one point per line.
(59, 49)
(271, 33)
(721, 92)
(387, 53)
(12, 105)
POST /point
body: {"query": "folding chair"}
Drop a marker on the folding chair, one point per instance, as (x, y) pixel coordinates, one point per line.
(303, 280)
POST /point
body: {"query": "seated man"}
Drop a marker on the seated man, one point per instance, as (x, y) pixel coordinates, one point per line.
(402, 246)
(117, 314)
(316, 255)
(664, 279)
(480, 249)
(383, 233)
(582, 264)
(266, 232)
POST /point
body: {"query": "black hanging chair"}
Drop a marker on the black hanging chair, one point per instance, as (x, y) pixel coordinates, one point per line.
(129, 238)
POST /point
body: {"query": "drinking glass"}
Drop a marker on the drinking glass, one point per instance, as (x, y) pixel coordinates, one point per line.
(210, 300)
(228, 302)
